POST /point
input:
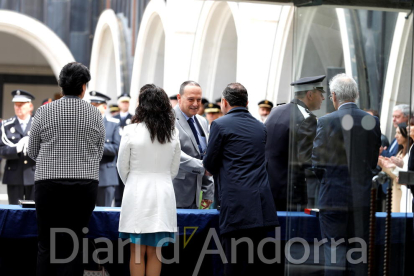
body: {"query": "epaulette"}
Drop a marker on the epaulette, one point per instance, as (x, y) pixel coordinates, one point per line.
(9, 121)
(113, 120)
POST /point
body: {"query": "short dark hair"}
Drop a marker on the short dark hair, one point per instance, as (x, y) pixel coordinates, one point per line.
(72, 77)
(184, 84)
(235, 94)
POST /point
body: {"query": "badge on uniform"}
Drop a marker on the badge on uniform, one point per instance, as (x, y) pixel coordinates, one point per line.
(128, 121)
(12, 130)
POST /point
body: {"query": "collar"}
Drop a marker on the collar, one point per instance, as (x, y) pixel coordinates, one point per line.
(236, 109)
(26, 121)
(185, 116)
(299, 102)
(123, 114)
(345, 104)
(70, 97)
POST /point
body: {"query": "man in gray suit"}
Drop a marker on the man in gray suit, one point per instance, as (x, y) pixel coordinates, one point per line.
(108, 175)
(192, 177)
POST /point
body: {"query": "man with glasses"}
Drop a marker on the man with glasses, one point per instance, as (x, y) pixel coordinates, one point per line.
(294, 121)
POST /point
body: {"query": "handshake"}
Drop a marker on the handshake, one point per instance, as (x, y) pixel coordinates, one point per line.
(22, 145)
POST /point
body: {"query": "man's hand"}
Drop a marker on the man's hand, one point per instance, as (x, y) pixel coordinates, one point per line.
(382, 149)
(207, 173)
(205, 203)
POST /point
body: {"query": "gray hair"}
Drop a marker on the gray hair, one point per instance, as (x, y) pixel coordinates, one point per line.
(187, 83)
(345, 88)
(404, 108)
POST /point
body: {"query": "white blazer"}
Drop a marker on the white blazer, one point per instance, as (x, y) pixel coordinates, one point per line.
(147, 169)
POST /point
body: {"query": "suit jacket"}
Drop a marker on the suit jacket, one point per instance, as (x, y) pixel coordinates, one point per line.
(411, 160)
(290, 128)
(67, 140)
(236, 156)
(19, 169)
(344, 157)
(190, 179)
(108, 175)
(388, 152)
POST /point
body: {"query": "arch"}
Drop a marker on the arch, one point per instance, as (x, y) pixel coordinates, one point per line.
(280, 73)
(108, 74)
(150, 49)
(53, 49)
(394, 71)
(214, 62)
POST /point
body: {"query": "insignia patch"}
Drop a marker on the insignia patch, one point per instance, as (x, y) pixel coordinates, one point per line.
(18, 92)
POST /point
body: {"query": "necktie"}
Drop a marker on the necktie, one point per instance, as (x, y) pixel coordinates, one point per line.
(191, 123)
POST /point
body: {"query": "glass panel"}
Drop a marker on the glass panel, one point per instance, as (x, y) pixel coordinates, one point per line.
(334, 168)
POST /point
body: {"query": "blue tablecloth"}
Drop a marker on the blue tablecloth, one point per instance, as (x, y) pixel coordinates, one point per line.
(18, 222)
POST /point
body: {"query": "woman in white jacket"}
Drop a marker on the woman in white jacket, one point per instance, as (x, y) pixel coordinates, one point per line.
(148, 160)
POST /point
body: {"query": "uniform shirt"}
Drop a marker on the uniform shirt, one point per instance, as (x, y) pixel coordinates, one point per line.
(24, 123)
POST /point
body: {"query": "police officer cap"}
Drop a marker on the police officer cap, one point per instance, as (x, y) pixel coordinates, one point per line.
(113, 108)
(265, 103)
(21, 96)
(124, 98)
(308, 83)
(211, 108)
(204, 101)
(98, 97)
(218, 100)
(174, 97)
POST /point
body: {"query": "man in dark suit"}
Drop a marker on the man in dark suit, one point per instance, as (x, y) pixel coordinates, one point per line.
(291, 128)
(20, 168)
(345, 153)
(108, 175)
(193, 130)
(125, 119)
(236, 157)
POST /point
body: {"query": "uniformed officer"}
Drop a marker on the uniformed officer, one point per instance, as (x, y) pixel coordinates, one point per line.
(108, 174)
(292, 127)
(125, 119)
(173, 100)
(20, 168)
(114, 109)
(212, 112)
(201, 112)
(124, 116)
(264, 109)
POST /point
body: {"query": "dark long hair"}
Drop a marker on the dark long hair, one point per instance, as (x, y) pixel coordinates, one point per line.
(403, 130)
(154, 109)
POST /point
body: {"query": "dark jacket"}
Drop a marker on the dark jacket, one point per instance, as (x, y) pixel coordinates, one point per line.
(345, 152)
(19, 169)
(290, 129)
(108, 175)
(236, 156)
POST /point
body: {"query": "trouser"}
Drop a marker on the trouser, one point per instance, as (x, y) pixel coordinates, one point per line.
(16, 192)
(119, 193)
(65, 209)
(105, 196)
(238, 258)
(346, 231)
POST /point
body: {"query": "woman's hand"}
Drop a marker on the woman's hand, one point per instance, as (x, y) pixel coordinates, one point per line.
(397, 161)
(385, 162)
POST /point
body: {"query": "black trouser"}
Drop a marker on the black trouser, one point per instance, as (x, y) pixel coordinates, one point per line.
(241, 266)
(16, 192)
(67, 207)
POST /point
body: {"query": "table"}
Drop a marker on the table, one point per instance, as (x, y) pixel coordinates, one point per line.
(18, 232)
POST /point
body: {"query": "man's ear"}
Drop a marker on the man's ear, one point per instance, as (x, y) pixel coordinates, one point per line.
(309, 94)
(247, 103)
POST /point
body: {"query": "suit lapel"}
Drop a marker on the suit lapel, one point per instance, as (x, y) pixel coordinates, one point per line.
(179, 117)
